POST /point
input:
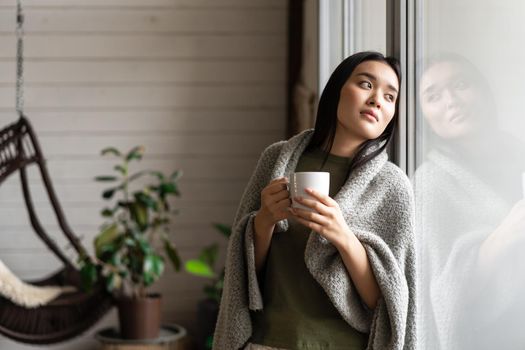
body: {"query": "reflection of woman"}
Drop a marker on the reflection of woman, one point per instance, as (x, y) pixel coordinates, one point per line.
(343, 277)
(465, 189)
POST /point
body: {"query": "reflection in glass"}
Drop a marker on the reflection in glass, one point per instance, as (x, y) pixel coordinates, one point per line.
(470, 213)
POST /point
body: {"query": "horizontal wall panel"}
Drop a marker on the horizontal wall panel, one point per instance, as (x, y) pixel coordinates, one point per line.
(179, 121)
(45, 262)
(96, 20)
(216, 168)
(222, 144)
(194, 190)
(147, 96)
(171, 71)
(140, 4)
(26, 241)
(200, 83)
(139, 46)
(90, 215)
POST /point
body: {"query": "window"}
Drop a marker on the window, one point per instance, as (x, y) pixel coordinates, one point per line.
(461, 141)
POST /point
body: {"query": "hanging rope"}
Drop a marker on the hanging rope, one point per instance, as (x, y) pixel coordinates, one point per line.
(19, 60)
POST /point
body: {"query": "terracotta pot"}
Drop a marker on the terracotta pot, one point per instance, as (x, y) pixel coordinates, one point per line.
(140, 317)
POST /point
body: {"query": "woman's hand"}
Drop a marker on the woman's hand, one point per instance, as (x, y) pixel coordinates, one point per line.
(328, 220)
(275, 203)
(509, 233)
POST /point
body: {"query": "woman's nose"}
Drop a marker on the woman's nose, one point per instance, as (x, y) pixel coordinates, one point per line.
(372, 101)
(450, 98)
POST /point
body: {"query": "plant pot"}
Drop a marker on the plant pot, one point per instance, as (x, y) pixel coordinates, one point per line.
(140, 317)
(207, 312)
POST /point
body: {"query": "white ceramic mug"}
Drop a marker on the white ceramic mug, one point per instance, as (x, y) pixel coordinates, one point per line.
(316, 180)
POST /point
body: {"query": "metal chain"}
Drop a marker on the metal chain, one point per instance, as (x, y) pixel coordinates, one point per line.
(19, 59)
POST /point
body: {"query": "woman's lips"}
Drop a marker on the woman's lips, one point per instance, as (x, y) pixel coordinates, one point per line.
(457, 117)
(369, 116)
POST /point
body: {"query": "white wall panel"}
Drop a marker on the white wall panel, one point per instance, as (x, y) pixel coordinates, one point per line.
(200, 83)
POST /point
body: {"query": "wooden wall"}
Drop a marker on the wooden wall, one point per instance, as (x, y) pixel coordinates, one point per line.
(200, 83)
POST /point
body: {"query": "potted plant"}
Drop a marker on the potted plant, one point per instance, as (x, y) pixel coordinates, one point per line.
(208, 309)
(133, 244)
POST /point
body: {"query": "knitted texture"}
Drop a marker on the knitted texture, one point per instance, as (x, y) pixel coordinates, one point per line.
(461, 306)
(377, 204)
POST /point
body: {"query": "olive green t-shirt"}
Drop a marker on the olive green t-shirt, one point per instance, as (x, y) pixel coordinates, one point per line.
(297, 312)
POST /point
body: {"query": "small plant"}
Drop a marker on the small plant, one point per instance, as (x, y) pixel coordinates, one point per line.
(204, 266)
(134, 242)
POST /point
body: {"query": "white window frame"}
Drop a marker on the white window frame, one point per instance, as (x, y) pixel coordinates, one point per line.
(336, 41)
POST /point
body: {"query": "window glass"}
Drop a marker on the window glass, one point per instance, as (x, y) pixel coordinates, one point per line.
(469, 178)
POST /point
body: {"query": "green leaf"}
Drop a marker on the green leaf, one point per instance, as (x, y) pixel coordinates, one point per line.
(146, 199)
(139, 213)
(108, 194)
(158, 174)
(219, 284)
(88, 275)
(123, 204)
(160, 221)
(208, 342)
(199, 268)
(212, 293)
(107, 251)
(224, 229)
(209, 255)
(113, 282)
(144, 246)
(106, 178)
(106, 212)
(111, 150)
(172, 254)
(121, 169)
(116, 259)
(108, 235)
(135, 153)
(152, 268)
(169, 187)
(130, 242)
(177, 174)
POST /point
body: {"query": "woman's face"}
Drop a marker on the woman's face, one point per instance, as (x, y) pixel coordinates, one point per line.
(450, 101)
(368, 101)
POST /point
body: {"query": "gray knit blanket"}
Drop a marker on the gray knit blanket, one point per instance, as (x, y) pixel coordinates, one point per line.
(378, 206)
(460, 306)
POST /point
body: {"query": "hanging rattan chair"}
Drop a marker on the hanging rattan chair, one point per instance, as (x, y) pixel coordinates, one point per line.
(71, 313)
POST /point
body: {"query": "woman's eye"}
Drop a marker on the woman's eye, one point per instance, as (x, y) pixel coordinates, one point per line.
(365, 84)
(433, 97)
(390, 98)
(460, 84)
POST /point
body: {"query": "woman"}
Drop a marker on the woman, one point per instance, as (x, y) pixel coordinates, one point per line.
(470, 214)
(343, 277)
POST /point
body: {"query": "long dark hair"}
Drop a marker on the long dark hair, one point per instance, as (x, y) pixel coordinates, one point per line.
(326, 119)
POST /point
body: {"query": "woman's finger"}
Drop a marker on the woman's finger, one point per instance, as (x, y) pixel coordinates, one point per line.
(310, 216)
(313, 204)
(277, 186)
(310, 224)
(278, 196)
(283, 203)
(282, 209)
(326, 200)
